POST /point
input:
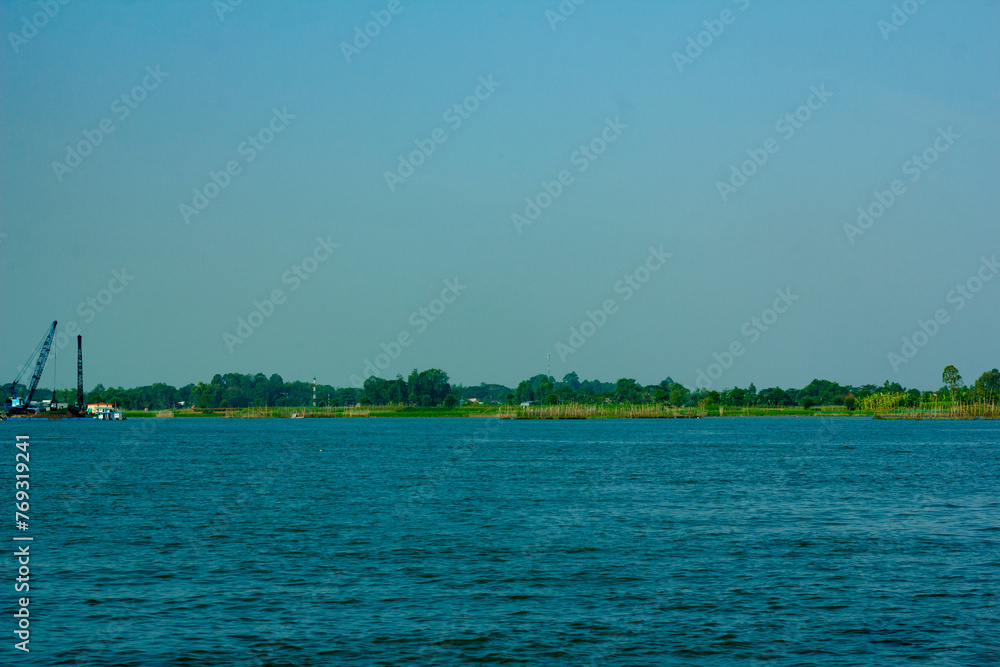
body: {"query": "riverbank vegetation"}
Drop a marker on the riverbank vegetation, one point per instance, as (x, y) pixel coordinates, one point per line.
(430, 392)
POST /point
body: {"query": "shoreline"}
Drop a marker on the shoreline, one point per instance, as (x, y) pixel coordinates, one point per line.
(569, 412)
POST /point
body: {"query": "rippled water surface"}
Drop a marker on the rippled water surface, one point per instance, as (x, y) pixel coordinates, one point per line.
(452, 542)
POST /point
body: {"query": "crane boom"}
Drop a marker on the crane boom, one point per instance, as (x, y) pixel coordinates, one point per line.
(39, 367)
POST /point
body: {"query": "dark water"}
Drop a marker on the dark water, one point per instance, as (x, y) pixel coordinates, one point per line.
(454, 542)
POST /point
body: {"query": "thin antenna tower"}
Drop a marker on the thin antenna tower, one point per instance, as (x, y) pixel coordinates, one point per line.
(548, 365)
(314, 391)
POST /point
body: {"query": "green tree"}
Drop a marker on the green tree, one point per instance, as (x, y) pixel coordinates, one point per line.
(572, 380)
(397, 390)
(412, 397)
(627, 390)
(275, 387)
(545, 388)
(450, 401)
(775, 396)
(952, 379)
(679, 395)
(375, 391)
(523, 393)
(434, 384)
(988, 386)
(735, 397)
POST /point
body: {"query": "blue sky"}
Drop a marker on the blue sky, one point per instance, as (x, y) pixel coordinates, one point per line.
(212, 82)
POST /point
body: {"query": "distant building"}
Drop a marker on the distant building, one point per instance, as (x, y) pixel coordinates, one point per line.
(104, 411)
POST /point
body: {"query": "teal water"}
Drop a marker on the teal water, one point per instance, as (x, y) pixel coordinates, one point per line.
(777, 541)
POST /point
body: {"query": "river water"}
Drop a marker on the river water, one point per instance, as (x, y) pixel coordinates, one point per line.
(724, 541)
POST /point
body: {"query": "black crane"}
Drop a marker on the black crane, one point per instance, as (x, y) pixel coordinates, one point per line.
(80, 409)
(17, 406)
(79, 373)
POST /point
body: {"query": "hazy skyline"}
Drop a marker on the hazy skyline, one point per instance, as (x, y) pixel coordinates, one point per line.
(474, 186)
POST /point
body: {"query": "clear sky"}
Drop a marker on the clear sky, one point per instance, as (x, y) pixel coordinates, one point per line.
(216, 155)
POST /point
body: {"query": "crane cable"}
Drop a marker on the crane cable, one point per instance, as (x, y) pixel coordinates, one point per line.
(31, 357)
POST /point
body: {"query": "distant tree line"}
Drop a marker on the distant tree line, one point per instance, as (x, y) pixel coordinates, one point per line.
(431, 388)
(542, 389)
